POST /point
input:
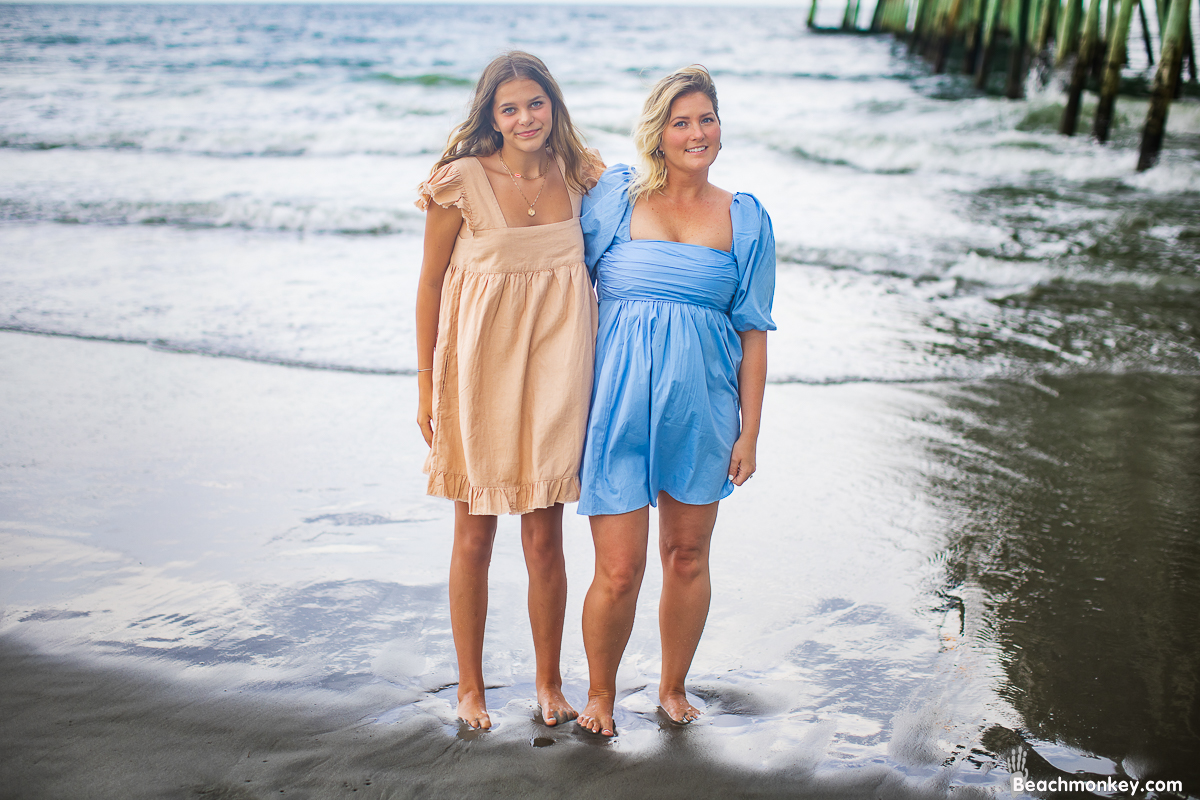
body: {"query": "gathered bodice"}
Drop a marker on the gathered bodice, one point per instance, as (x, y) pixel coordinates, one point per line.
(677, 272)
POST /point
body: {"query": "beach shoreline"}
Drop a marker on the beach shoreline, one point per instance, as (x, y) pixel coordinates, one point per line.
(223, 579)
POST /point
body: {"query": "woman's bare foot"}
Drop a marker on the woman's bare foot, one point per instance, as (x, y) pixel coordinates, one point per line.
(472, 709)
(676, 704)
(553, 706)
(597, 716)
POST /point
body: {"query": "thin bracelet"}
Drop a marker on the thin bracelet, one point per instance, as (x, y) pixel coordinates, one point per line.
(427, 369)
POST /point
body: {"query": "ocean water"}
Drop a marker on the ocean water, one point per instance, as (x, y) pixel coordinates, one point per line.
(979, 514)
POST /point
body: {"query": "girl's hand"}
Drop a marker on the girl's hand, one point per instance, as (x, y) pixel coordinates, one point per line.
(425, 406)
(743, 463)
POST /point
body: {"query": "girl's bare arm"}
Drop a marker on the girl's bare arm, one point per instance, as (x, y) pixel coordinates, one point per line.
(441, 229)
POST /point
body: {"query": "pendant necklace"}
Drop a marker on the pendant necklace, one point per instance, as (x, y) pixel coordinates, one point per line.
(513, 177)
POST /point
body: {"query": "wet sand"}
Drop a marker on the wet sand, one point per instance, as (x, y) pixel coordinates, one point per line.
(223, 579)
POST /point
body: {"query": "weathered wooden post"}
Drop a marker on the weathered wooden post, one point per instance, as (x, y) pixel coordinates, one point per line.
(914, 38)
(877, 16)
(1083, 65)
(1112, 72)
(1190, 47)
(1045, 28)
(1169, 63)
(949, 29)
(1068, 32)
(1146, 32)
(850, 18)
(1016, 53)
(898, 17)
(922, 21)
(991, 22)
(973, 36)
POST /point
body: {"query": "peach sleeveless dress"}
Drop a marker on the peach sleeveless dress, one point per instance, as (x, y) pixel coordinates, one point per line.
(512, 367)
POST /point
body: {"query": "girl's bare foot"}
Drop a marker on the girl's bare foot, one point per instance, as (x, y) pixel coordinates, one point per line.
(472, 709)
(597, 716)
(676, 704)
(553, 706)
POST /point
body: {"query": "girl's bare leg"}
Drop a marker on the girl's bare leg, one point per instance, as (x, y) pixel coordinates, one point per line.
(469, 562)
(541, 539)
(684, 535)
(609, 608)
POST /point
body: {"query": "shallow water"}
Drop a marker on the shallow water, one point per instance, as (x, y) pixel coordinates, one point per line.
(974, 527)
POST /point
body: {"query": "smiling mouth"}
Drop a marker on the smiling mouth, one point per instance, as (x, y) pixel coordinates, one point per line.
(700, 149)
(528, 134)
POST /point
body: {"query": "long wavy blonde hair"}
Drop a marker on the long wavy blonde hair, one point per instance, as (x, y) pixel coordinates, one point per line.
(477, 136)
(647, 136)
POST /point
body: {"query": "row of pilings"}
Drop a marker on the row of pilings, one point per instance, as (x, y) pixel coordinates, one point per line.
(1086, 43)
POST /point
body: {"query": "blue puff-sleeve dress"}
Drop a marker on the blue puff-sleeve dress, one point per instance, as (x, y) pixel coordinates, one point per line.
(665, 410)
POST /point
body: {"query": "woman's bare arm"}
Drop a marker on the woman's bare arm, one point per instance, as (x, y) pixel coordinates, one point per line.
(752, 382)
(441, 229)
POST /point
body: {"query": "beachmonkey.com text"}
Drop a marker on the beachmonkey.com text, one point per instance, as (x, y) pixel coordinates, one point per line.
(1021, 784)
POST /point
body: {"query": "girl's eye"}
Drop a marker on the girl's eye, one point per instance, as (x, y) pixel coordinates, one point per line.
(536, 104)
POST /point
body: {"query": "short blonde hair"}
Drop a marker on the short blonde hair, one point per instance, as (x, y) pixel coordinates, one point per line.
(647, 136)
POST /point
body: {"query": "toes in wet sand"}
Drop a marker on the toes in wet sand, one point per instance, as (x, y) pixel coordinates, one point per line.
(677, 707)
(472, 709)
(597, 717)
(553, 706)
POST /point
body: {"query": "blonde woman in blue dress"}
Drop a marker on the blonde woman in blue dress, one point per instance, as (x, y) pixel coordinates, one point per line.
(685, 274)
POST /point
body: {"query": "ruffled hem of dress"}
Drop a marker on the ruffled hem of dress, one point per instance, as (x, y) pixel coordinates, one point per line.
(503, 499)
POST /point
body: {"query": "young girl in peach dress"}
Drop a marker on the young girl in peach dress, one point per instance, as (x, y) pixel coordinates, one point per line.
(506, 326)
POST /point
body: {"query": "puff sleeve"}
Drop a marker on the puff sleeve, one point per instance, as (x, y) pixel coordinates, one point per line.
(445, 187)
(603, 208)
(754, 249)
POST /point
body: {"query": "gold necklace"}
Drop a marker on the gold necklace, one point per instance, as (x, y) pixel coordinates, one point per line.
(513, 177)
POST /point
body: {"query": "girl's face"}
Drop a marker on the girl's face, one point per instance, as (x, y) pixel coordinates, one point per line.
(523, 115)
(693, 134)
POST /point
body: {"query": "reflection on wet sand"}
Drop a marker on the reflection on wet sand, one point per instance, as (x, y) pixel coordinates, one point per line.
(924, 578)
(1077, 506)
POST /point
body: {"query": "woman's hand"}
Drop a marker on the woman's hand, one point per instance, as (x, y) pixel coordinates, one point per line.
(744, 460)
(425, 405)
(752, 382)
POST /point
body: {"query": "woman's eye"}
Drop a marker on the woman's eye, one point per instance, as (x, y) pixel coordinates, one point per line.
(536, 104)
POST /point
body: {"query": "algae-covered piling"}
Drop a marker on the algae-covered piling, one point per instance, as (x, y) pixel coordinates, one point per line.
(1165, 79)
(1091, 43)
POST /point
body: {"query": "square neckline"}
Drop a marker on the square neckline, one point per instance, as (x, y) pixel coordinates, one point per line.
(627, 224)
(575, 198)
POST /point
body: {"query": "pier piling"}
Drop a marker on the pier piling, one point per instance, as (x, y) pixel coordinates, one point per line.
(1170, 62)
(1081, 69)
(1111, 81)
(1092, 40)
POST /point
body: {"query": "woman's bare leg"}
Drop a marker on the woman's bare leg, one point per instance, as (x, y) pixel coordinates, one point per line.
(609, 608)
(469, 562)
(684, 535)
(541, 539)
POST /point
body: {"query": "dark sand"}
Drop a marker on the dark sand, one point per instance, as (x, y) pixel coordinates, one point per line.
(222, 579)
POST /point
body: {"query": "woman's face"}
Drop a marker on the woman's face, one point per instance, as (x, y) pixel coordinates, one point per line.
(693, 134)
(523, 115)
